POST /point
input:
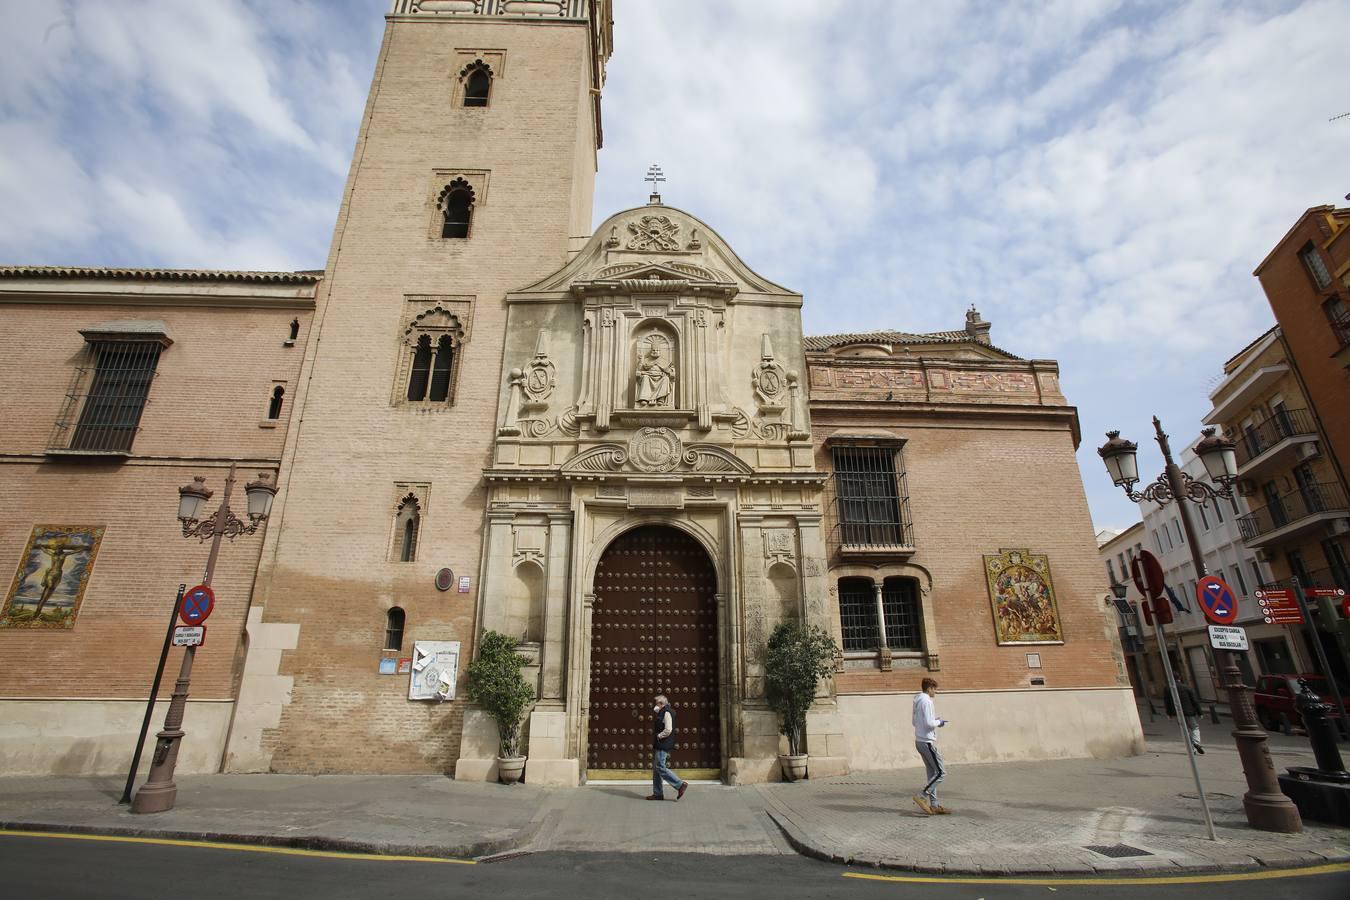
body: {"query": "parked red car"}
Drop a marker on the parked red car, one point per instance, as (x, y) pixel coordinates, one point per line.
(1277, 703)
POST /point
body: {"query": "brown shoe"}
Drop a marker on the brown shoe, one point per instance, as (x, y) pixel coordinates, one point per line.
(923, 803)
(656, 797)
(941, 811)
(680, 793)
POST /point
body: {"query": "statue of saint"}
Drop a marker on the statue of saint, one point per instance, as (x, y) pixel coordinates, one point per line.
(655, 373)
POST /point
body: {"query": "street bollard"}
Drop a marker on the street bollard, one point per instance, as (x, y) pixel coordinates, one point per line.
(1321, 733)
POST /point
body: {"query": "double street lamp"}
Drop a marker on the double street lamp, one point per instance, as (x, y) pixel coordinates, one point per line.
(159, 791)
(1267, 808)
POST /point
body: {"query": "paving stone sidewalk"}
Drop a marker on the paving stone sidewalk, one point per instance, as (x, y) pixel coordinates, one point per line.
(1040, 817)
(1010, 817)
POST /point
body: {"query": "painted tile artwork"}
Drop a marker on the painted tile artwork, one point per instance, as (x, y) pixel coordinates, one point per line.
(1023, 598)
(52, 576)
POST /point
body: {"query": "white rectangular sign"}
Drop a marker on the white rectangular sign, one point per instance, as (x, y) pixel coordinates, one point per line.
(435, 668)
(1227, 637)
(189, 635)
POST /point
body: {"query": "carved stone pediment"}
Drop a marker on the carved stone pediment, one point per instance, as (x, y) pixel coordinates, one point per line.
(668, 277)
(654, 451)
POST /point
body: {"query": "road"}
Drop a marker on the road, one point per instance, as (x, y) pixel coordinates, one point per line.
(56, 867)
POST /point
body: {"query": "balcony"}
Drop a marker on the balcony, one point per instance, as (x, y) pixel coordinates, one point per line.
(1322, 578)
(1280, 441)
(1340, 326)
(1294, 514)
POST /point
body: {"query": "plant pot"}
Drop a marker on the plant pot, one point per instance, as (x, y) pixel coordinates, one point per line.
(510, 769)
(794, 766)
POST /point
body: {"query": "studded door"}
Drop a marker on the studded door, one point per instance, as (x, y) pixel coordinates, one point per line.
(653, 631)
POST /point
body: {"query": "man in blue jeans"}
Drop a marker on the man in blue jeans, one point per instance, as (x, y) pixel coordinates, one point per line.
(663, 739)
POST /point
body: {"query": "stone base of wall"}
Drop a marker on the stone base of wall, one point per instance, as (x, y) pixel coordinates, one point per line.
(96, 737)
(994, 726)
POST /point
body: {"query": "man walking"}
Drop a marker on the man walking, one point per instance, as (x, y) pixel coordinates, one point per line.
(926, 724)
(663, 740)
(1190, 711)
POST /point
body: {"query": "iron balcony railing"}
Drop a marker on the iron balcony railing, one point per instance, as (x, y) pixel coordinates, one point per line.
(1322, 578)
(1308, 500)
(1262, 436)
(1340, 325)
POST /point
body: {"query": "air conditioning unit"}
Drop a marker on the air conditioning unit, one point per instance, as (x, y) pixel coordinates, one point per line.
(1310, 450)
(1246, 487)
(1264, 555)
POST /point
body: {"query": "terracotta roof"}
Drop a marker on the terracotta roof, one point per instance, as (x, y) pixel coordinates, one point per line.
(826, 341)
(159, 274)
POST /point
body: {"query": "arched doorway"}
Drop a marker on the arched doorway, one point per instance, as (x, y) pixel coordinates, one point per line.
(653, 631)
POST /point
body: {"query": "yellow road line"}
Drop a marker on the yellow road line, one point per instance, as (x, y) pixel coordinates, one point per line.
(218, 845)
(1263, 875)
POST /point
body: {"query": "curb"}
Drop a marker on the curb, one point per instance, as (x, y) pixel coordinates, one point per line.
(475, 851)
(803, 845)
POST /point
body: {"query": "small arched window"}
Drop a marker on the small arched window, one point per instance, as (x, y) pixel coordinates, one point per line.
(295, 329)
(420, 375)
(274, 408)
(457, 209)
(406, 524)
(440, 370)
(477, 83)
(393, 629)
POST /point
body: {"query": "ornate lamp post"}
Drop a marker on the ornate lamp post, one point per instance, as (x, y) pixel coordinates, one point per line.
(1267, 808)
(159, 791)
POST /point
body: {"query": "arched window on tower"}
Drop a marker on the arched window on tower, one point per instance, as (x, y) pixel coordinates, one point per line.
(441, 367)
(393, 628)
(420, 375)
(477, 83)
(406, 525)
(274, 408)
(456, 203)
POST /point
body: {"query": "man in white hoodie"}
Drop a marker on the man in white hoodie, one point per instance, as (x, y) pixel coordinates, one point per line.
(926, 724)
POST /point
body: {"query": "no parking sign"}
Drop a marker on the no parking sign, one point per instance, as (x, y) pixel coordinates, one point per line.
(1217, 600)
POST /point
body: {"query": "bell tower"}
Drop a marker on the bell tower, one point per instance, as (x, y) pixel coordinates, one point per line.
(472, 175)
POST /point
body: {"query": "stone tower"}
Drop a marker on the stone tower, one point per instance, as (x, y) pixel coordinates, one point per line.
(473, 174)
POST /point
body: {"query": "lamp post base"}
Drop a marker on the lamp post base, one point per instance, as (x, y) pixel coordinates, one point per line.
(160, 792)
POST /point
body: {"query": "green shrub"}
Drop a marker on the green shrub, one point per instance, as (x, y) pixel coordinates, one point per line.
(495, 684)
(799, 656)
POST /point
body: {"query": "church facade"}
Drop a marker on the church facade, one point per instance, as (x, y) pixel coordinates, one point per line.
(615, 445)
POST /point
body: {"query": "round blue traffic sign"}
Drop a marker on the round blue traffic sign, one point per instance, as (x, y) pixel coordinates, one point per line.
(1217, 600)
(197, 605)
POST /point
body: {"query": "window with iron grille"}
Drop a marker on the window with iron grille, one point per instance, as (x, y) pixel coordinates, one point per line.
(904, 623)
(873, 506)
(858, 614)
(1312, 261)
(393, 629)
(111, 412)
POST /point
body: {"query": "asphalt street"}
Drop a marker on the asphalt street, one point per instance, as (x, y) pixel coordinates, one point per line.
(58, 867)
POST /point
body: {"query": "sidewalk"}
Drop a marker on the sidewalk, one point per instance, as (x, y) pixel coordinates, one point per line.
(1009, 818)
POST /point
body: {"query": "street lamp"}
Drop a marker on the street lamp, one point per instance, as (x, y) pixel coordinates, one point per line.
(1267, 808)
(159, 791)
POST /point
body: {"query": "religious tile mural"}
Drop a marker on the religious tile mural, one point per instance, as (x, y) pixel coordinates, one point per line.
(52, 576)
(1023, 598)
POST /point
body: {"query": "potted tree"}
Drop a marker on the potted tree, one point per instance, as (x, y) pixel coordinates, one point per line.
(495, 684)
(798, 657)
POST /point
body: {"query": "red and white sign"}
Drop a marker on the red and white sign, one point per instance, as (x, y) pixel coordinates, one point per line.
(1217, 600)
(189, 635)
(1323, 592)
(197, 605)
(1278, 607)
(1147, 574)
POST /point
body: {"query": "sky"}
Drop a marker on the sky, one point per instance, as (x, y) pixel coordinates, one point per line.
(1099, 178)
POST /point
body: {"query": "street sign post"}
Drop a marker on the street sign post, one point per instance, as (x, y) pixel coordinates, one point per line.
(1217, 600)
(197, 605)
(189, 635)
(1228, 637)
(154, 693)
(1279, 606)
(1311, 634)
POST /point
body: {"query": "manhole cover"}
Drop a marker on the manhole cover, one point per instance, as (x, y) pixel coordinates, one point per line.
(1117, 851)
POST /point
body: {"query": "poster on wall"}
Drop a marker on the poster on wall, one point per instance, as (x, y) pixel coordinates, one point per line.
(435, 668)
(52, 576)
(1022, 597)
